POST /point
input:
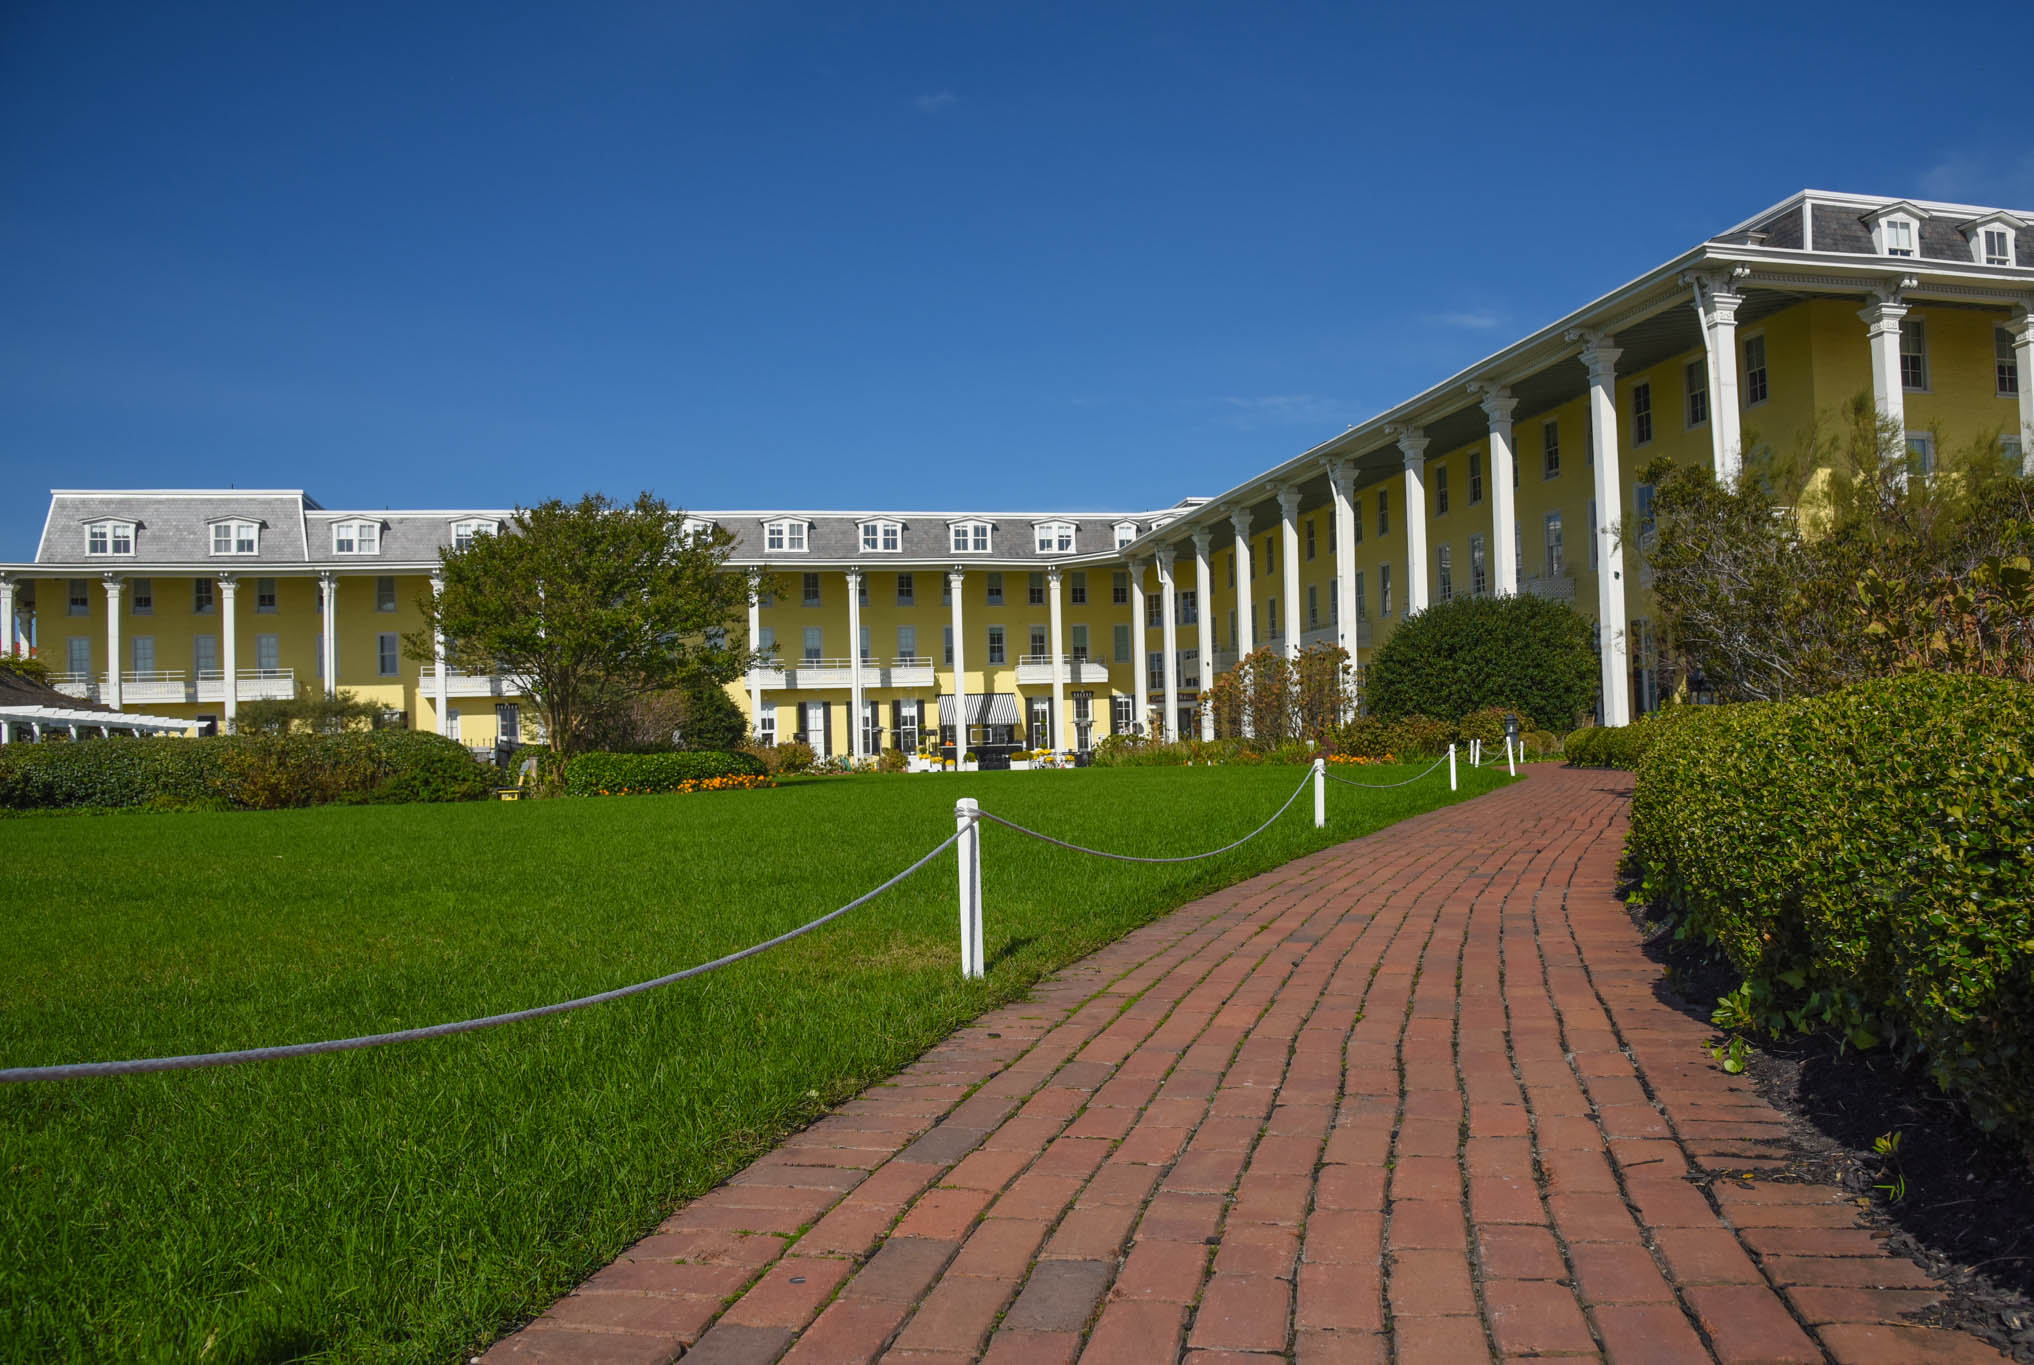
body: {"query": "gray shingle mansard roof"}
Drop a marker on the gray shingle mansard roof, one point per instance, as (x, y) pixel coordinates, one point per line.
(173, 530)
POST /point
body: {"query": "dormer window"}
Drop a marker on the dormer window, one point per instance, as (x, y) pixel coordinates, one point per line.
(463, 532)
(109, 538)
(970, 537)
(1055, 537)
(883, 537)
(236, 537)
(1896, 229)
(356, 537)
(691, 528)
(1126, 531)
(784, 536)
(1991, 238)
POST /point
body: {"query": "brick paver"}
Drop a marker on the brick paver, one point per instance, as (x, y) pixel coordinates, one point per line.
(1412, 1098)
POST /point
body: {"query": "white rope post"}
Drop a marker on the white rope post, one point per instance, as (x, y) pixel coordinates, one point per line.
(1475, 752)
(1451, 767)
(1510, 764)
(1320, 793)
(965, 813)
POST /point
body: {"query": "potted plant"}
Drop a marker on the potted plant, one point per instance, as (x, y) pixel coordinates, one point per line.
(968, 761)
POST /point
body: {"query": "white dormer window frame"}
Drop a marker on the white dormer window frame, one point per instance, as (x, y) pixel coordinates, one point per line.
(360, 537)
(1993, 239)
(1896, 229)
(787, 536)
(1054, 537)
(691, 528)
(882, 537)
(465, 529)
(970, 537)
(1125, 531)
(234, 536)
(109, 538)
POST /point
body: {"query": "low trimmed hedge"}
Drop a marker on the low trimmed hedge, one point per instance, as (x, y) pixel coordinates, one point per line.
(1622, 746)
(248, 772)
(1865, 860)
(603, 774)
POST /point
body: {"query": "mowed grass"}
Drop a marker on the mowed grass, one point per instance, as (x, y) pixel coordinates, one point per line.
(408, 1203)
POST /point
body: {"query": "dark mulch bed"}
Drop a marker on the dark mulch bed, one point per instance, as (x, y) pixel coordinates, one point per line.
(1967, 1215)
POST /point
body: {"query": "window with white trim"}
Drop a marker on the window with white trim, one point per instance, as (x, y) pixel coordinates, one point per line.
(1077, 588)
(1641, 414)
(1120, 638)
(1383, 512)
(1313, 606)
(141, 596)
(970, 537)
(1475, 477)
(1126, 531)
(784, 536)
(810, 584)
(992, 589)
(882, 537)
(907, 590)
(907, 642)
(1695, 375)
(204, 596)
(2006, 368)
(1994, 246)
(1055, 537)
(1362, 604)
(79, 601)
(1921, 452)
(268, 651)
(387, 654)
(463, 532)
(1119, 587)
(1897, 234)
(1384, 589)
(1441, 490)
(815, 643)
(996, 646)
(109, 538)
(264, 596)
(1034, 591)
(1310, 539)
(385, 593)
(1550, 450)
(1914, 355)
(1122, 713)
(356, 537)
(235, 538)
(1555, 548)
(1444, 565)
(1479, 567)
(1754, 370)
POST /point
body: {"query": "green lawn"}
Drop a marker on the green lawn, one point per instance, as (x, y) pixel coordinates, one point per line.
(408, 1203)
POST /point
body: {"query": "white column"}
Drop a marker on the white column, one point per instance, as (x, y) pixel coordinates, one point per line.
(229, 652)
(854, 596)
(1882, 329)
(1057, 740)
(1204, 601)
(6, 614)
(1717, 301)
(1239, 522)
(1139, 676)
(1498, 406)
(439, 691)
(955, 580)
(755, 673)
(2022, 330)
(112, 694)
(1412, 443)
(1169, 600)
(1288, 551)
(328, 585)
(1601, 358)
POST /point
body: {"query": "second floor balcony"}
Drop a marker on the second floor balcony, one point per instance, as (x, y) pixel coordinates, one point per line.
(806, 674)
(1035, 670)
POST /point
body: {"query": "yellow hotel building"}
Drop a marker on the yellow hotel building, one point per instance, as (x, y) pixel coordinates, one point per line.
(1511, 476)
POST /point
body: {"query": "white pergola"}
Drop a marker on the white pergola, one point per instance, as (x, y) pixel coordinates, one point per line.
(40, 719)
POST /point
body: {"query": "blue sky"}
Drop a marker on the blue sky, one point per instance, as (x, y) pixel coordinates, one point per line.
(941, 255)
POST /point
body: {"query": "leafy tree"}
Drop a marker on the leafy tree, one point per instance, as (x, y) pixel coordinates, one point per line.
(589, 606)
(314, 713)
(1529, 654)
(1768, 587)
(1282, 699)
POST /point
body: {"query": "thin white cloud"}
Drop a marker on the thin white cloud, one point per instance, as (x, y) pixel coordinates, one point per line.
(1964, 177)
(933, 103)
(1281, 408)
(1474, 322)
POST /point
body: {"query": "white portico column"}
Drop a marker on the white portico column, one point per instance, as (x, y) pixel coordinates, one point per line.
(1204, 600)
(111, 696)
(1348, 631)
(1055, 740)
(328, 587)
(955, 580)
(1288, 552)
(1412, 443)
(1246, 628)
(1882, 328)
(2022, 331)
(1140, 674)
(1601, 358)
(6, 614)
(439, 692)
(854, 595)
(1170, 634)
(1717, 301)
(1498, 405)
(755, 673)
(229, 653)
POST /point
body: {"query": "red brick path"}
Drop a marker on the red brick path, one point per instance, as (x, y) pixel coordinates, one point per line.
(1411, 1098)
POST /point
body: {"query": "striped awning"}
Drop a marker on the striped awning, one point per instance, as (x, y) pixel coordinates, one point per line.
(985, 708)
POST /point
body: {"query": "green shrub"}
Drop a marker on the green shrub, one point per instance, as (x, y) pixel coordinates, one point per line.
(1488, 725)
(1528, 654)
(1622, 746)
(27, 665)
(1408, 737)
(1866, 860)
(612, 774)
(248, 772)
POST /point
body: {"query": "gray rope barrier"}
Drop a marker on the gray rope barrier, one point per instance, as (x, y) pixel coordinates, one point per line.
(264, 1054)
(1386, 786)
(1133, 858)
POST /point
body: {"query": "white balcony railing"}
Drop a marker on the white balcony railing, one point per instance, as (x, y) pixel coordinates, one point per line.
(75, 685)
(904, 671)
(143, 685)
(1036, 669)
(1559, 588)
(250, 684)
(476, 685)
